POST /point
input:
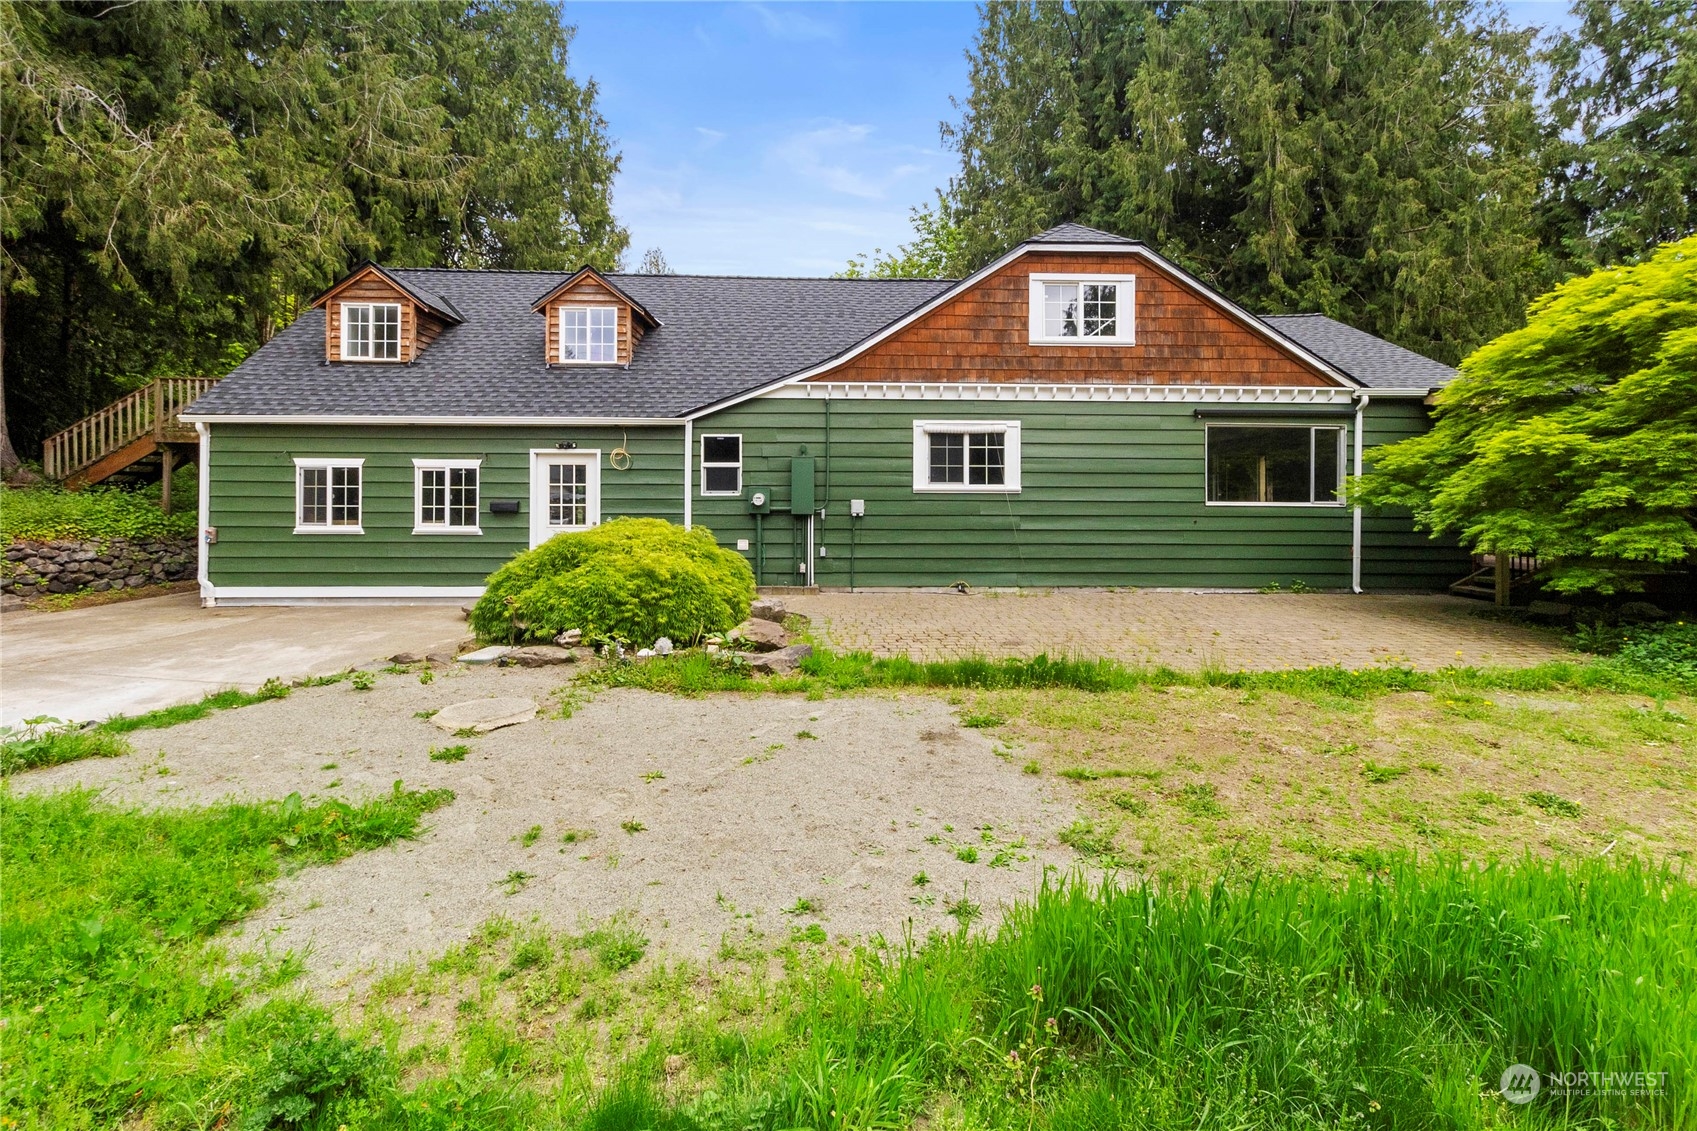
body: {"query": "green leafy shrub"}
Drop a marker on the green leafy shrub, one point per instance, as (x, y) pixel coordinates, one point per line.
(633, 579)
(50, 514)
(1669, 652)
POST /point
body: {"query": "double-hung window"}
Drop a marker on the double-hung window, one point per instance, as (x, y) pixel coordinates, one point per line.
(445, 496)
(721, 465)
(1083, 310)
(371, 331)
(966, 455)
(589, 334)
(327, 496)
(1278, 465)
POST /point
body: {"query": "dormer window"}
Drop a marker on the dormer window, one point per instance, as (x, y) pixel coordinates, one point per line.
(1083, 310)
(589, 334)
(371, 331)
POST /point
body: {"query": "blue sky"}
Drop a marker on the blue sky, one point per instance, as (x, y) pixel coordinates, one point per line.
(782, 138)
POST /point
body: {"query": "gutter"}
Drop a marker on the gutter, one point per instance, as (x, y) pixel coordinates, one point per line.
(203, 567)
(1361, 402)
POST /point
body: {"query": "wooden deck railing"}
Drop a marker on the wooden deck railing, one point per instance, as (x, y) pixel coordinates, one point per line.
(149, 411)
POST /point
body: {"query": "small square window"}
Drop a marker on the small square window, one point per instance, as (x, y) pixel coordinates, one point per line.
(371, 331)
(327, 497)
(721, 465)
(446, 497)
(589, 334)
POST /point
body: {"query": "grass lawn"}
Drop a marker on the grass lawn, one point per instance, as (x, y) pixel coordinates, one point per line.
(1195, 780)
(1336, 900)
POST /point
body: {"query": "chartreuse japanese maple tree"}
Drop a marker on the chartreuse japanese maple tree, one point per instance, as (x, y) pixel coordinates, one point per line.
(1574, 437)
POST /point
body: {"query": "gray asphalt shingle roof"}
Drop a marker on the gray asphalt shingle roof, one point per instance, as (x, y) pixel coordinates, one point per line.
(720, 336)
(1372, 361)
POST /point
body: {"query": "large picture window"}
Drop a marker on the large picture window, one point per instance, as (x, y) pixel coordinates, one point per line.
(327, 496)
(1083, 310)
(589, 334)
(721, 465)
(371, 331)
(1275, 465)
(966, 455)
(445, 496)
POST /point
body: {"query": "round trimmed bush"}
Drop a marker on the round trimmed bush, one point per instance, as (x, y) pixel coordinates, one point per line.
(634, 579)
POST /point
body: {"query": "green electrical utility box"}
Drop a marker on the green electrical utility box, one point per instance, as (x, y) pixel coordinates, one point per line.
(801, 485)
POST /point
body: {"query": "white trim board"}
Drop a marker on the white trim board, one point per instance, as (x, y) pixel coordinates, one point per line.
(457, 421)
(1089, 393)
(340, 594)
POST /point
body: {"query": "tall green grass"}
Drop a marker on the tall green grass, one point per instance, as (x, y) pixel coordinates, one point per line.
(1392, 1000)
(695, 673)
(107, 981)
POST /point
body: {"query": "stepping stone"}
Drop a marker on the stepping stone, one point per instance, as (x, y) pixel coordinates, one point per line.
(485, 655)
(484, 715)
(539, 656)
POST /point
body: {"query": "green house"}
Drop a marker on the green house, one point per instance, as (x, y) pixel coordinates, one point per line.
(1079, 413)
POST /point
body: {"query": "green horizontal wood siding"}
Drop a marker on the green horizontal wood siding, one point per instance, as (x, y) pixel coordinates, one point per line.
(252, 500)
(1394, 555)
(1111, 494)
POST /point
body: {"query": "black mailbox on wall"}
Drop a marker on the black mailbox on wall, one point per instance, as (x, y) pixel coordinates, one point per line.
(503, 506)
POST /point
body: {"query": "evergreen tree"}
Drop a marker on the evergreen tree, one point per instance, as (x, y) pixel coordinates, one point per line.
(178, 177)
(1376, 162)
(1624, 120)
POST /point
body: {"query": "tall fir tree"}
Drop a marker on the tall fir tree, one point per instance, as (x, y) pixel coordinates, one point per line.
(1376, 162)
(177, 177)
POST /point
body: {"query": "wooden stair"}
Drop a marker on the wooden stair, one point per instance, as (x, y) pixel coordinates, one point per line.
(1488, 582)
(125, 437)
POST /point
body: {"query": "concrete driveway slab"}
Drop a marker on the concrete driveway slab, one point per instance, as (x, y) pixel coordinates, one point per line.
(139, 655)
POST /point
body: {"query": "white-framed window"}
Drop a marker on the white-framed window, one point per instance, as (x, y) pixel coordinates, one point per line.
(966, 455)
(327, 496)
(1083, 310)
(371, 331)
(589, 334)
(721, 465)
(1257, 465)
(445, 493)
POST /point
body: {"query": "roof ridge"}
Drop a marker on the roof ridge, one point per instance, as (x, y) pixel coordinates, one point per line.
(672, 275)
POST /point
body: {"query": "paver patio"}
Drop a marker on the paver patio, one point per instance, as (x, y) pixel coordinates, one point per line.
(1180, 629)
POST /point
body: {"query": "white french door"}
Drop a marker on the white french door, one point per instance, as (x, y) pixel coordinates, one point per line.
(565, 493)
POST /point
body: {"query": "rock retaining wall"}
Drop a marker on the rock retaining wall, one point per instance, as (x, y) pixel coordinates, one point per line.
(34, 568)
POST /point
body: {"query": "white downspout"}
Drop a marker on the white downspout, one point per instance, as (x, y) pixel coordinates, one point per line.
(203, 569)
(1361, 400)
(689, 469)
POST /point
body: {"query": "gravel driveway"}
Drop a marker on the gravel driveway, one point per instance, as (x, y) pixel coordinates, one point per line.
(737, 814)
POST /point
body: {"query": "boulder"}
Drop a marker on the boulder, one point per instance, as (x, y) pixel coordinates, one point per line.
(1554, 610)
(1640, 611)
(439, 657)
(538, 656)
(484, 655)
(762, 635)
(768, 608)
(570, 638)
(781, 662)
(484, 715)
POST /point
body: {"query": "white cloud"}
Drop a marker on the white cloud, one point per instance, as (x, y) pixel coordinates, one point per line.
(789, 23)
(840, 157)
(709, 137)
